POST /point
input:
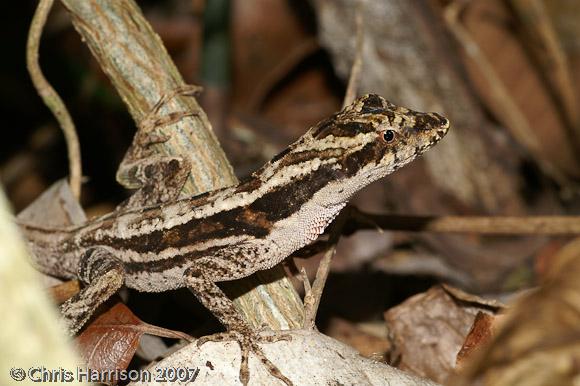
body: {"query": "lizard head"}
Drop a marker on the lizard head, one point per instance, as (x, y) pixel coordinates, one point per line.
(362, 143)
(374, 137)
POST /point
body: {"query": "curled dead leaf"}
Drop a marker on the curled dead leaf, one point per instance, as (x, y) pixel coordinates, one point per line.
(110, 342)
(428, 330)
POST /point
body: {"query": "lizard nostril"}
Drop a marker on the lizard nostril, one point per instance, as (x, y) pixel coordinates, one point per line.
(442, 122)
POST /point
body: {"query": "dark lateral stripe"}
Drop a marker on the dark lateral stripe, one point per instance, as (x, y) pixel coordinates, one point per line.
(258, 218)
(249, 184)
(307, 155)
(280, 155)
(220, 225)
(345, 129)
(148, 214)
(284, 201)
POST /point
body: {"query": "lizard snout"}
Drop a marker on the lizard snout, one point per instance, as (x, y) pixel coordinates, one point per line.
(438, 125)
(443, 122)
(429, 122)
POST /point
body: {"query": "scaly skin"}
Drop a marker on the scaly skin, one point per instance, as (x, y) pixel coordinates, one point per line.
(231, 233)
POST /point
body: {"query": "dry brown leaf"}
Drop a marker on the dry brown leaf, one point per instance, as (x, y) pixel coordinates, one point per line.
(481, 333)
(478, 301)
(110, 342)
(539, 340)
(429, 329)
(267, 72)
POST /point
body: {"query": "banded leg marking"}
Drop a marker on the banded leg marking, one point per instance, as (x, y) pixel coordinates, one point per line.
(104, 277)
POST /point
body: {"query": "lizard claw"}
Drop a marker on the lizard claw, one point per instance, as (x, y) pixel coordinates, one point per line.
(248, 341)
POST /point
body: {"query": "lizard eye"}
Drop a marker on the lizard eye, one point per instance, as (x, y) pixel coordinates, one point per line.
(389, 136)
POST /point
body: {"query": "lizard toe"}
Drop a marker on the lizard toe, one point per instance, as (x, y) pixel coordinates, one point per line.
(248, 342)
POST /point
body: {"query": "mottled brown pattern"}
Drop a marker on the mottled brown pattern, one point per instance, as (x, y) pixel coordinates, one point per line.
(372, 104)
(423, 121)
(258, 218)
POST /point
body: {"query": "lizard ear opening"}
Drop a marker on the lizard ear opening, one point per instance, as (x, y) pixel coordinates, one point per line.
(389, 136)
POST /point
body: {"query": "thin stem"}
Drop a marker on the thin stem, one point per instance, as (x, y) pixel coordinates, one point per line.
(525, 225)
(354, 79)
(51, 98)
(314, 294)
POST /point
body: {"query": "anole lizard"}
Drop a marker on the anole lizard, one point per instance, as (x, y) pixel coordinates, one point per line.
(233, 232)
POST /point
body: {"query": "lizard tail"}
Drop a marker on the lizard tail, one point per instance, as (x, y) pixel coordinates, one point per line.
(48, 252)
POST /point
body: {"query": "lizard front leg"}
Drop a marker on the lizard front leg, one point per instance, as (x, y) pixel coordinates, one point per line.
(214, 299)
(158, 178)
(104, 276)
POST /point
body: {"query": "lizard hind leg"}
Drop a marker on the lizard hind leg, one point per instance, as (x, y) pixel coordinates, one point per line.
(104, 276)
(214, 299)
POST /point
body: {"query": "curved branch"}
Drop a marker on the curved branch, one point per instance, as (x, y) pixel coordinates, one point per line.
(50, 96)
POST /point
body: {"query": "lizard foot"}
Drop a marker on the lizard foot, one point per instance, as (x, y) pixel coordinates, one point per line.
(248, 341)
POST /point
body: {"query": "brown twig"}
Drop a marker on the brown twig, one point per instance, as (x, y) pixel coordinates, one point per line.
(492, 225)
(486, 225)
(50, 96)
(354, 79)
(314, 294)
(303, 276)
